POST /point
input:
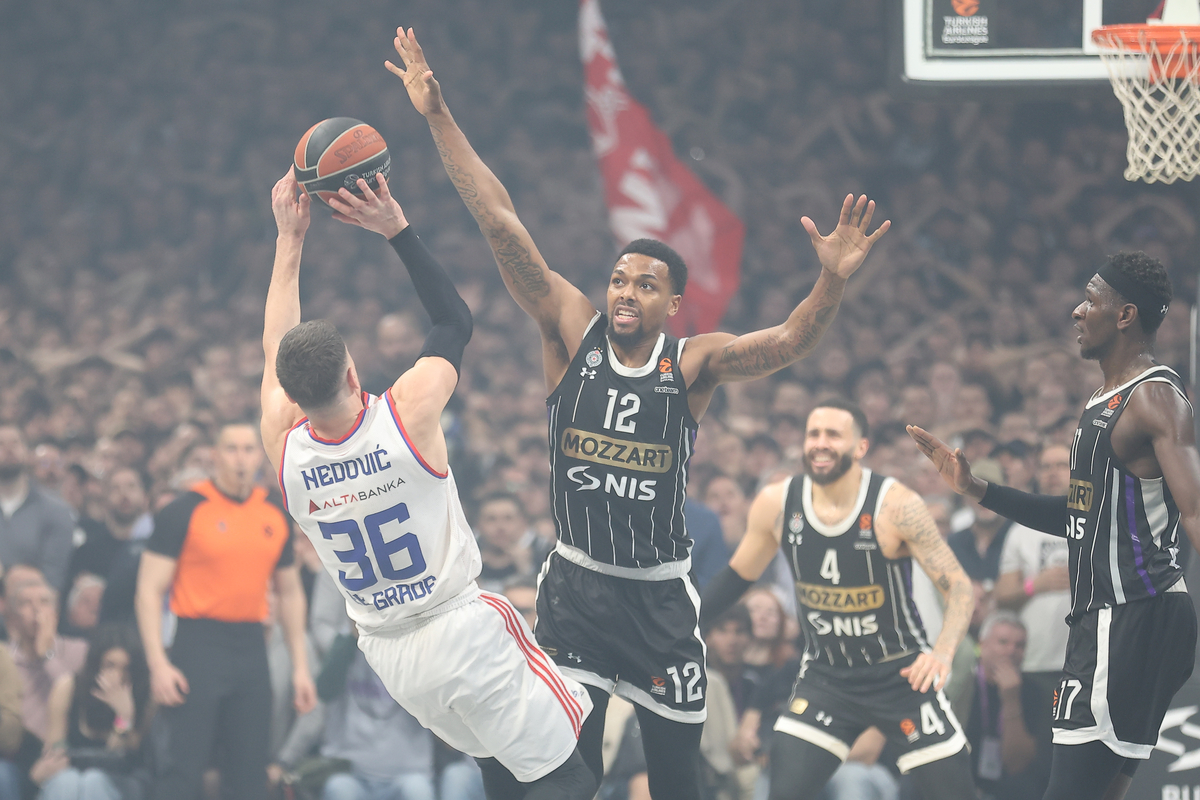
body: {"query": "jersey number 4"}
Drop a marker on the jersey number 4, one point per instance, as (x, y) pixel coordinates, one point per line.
(829, 567)
(384, 550)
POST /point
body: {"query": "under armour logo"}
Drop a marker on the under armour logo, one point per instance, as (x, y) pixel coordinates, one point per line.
(1164, 310)
(587, 373)
(575, 658)
(824, 719)
(1178, 718)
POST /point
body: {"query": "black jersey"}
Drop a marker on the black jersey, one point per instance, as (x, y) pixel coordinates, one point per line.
(1122, 530)
(856, 605)
(620, 441)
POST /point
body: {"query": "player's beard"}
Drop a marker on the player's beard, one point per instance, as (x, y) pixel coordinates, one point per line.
(630, 339)
(840, 468)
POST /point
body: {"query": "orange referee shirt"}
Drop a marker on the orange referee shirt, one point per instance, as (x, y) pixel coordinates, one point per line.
(226, 552)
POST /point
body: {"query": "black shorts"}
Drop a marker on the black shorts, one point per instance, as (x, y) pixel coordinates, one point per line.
(640, 639)
(830, 707)
(1123, 666)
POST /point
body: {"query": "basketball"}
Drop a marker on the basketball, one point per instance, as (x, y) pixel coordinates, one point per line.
(336, 152)
(965, 8)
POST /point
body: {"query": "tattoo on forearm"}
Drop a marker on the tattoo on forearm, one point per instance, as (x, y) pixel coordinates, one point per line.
(912, 519)
(525, 275)
(755, 359)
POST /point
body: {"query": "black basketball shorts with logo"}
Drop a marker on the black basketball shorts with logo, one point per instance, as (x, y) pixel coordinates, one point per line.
(638, 639)
(1124, 665)
(831, 706)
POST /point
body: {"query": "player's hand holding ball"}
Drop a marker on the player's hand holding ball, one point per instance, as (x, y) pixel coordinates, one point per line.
(291, 212)
(378, 212)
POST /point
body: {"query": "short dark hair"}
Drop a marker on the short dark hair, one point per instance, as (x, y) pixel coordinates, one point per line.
(850, 407)
(676, 269)
(310, 363)
(1149, 275)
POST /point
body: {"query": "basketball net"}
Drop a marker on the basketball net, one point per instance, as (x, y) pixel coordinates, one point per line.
(1155, 73)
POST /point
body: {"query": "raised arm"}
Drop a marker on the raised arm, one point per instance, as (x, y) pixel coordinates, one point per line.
(1042, 512)
(561, 311)
(758, 546)
(282, 314)
(724, 358)
(905, 516)
(421, 393)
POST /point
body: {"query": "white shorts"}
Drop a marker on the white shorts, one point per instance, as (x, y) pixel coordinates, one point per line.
(475, 677)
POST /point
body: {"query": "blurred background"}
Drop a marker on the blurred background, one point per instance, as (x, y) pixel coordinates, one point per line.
(139, 142)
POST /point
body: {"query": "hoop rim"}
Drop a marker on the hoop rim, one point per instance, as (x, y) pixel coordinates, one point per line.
(1134, 36)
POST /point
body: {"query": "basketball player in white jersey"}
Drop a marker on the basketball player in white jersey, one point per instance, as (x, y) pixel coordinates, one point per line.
(367, 480)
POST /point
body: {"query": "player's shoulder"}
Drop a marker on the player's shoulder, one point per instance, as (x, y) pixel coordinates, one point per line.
(897, 501)
(1159, 403)
(707, 343)
(773, 493)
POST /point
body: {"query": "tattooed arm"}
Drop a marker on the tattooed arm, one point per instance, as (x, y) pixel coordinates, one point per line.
(904, 517)
(561, 311)
(728, 358)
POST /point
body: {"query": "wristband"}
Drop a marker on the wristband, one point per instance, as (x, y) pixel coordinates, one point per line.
(1029, 587)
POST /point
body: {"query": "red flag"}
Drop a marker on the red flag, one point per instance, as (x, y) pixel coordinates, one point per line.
(650, 193)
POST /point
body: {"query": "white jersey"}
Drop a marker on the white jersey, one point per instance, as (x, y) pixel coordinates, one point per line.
(388, 528)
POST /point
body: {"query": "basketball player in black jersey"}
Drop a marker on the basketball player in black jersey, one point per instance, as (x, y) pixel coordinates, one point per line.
(1135, 482)
(850, 536)
(616, 608)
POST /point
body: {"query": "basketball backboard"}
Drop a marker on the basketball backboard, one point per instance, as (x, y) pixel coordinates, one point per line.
(1007, 42)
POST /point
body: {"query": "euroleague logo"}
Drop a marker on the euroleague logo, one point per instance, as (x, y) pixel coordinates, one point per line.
(1114, 402)
(864, 522)
(965, 8)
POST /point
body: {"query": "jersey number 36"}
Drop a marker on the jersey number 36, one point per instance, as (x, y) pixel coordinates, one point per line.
(383, 549)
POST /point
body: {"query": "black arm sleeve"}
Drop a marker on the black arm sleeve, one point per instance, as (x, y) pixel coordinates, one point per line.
(725, 589)
(1042, 512)
(451, 317)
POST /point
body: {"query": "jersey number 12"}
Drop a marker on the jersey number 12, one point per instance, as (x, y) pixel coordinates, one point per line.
(631, 403)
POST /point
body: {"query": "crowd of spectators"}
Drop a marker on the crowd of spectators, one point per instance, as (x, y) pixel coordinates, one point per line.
(139, 144)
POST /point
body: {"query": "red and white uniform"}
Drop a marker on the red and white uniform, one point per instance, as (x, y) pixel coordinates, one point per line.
(392, 533)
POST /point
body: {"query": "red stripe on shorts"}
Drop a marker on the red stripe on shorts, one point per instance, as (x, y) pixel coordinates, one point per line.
(538, 661)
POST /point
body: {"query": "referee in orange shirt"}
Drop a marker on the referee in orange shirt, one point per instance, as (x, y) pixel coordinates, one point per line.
(215, 549)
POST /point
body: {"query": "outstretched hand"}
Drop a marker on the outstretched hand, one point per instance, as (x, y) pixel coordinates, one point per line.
(951, 464)
(379, 213)
(843, 250)
(423, 88)
(291, 212)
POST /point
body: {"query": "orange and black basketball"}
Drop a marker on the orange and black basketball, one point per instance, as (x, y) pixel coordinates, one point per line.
(336, 152)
